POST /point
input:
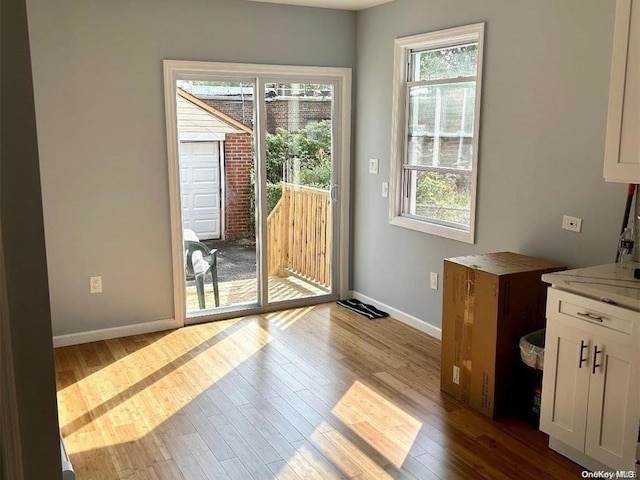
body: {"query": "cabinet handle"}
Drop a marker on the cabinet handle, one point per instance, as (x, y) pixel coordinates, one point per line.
(591, 316)
(582, 348)
(595, 359)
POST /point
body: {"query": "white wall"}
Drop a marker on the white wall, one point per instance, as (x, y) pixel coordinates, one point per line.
(100, 109)
(545, 86)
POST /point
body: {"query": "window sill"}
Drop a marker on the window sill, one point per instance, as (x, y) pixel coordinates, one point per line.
(432, 229)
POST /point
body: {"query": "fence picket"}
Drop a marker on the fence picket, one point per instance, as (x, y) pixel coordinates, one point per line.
(299, 234)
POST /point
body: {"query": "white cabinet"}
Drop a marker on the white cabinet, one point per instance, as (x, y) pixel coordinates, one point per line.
(590, 391)
(622, 149)
(612, 419)
(565, 389)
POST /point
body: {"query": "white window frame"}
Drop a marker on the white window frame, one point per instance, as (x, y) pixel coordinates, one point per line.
(402, 60)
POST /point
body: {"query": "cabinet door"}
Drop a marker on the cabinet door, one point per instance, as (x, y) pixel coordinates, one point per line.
(612, 421)
(622, 148)
(565, 383)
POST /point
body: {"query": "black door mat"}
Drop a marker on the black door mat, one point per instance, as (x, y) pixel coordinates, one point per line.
(357, 306)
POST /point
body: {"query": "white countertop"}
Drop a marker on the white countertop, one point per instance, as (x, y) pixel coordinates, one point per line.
(609, 283)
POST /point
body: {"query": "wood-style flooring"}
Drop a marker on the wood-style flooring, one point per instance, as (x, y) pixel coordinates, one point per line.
(313, 393)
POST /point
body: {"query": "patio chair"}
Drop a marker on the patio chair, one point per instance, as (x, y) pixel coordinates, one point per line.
(205, 260)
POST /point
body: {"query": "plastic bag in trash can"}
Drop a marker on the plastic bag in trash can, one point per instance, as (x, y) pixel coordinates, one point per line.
(532, 349)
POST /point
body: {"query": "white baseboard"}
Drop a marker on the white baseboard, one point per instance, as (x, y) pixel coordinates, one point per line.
(401, 316)
(115, 332)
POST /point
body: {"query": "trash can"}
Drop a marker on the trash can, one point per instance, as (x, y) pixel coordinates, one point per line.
(532, 354)
(532, 349)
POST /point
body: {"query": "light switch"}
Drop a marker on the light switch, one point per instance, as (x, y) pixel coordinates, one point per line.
(433, 280)
(95, 284)
(373, 165)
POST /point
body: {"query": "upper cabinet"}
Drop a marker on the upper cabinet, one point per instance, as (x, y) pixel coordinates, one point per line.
(622, 149)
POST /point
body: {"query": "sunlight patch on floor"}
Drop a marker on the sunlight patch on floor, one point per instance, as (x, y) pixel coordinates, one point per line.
(348, 457)
(380, 423)
(284, 320)
(109, 397)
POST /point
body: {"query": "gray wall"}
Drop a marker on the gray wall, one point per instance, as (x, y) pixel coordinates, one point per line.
(100, 108)
(24, 295)
(545, 87)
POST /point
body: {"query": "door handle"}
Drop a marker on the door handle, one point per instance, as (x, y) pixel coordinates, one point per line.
(590, 316)
(334, 192)
(583, 346)
(595, 359)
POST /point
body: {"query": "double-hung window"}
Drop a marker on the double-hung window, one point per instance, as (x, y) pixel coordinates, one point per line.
(437, 84)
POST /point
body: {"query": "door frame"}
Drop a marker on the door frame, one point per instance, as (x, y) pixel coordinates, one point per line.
(258, 74)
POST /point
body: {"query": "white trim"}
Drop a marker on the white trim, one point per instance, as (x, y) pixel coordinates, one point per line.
(247, 309)
(253, 73)
(442, 38)
(441, 81)
(402, 49)
(223, 193)
(401, 316)
(248, 71)
(115, 332)
(432, 228)
(343, 126)
(177, 249)
(202, 137)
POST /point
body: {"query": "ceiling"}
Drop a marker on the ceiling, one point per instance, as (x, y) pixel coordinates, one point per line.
(341, 4)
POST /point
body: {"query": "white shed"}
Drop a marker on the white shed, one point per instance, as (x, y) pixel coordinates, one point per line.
(201, 132)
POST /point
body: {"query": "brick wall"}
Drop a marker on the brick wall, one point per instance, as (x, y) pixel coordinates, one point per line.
(236, 109)
(279, 112)
(238, 162)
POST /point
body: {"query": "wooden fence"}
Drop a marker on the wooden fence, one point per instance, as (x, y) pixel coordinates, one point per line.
(299, 234)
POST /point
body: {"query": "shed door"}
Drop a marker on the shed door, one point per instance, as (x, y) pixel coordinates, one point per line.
(200, 188)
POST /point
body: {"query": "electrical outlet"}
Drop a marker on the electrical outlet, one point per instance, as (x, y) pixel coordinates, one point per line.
(373, 165)
(95, 284)
(433, 281)
(456, 375)
(385, 189)
(572, 224)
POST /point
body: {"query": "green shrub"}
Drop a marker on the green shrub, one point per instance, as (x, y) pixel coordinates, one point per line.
(311, 145)
(274, 192)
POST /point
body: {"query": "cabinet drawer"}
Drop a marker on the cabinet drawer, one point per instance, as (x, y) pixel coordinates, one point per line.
(591, 311)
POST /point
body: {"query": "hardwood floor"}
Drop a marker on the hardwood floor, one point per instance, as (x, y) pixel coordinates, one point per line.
(314, 393)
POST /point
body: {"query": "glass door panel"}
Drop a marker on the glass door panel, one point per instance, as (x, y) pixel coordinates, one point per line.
(299, 152)
(215, 121)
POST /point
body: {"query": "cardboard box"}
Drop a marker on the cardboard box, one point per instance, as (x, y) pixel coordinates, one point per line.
(489, 302)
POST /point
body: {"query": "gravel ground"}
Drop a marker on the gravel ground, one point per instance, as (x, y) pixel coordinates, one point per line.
(236, 259)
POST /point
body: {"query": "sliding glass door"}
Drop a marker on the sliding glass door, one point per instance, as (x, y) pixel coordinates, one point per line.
(299, 182)
(258, 189)
(217, 184)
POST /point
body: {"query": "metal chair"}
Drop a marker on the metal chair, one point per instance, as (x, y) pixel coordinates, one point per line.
(211, 259)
